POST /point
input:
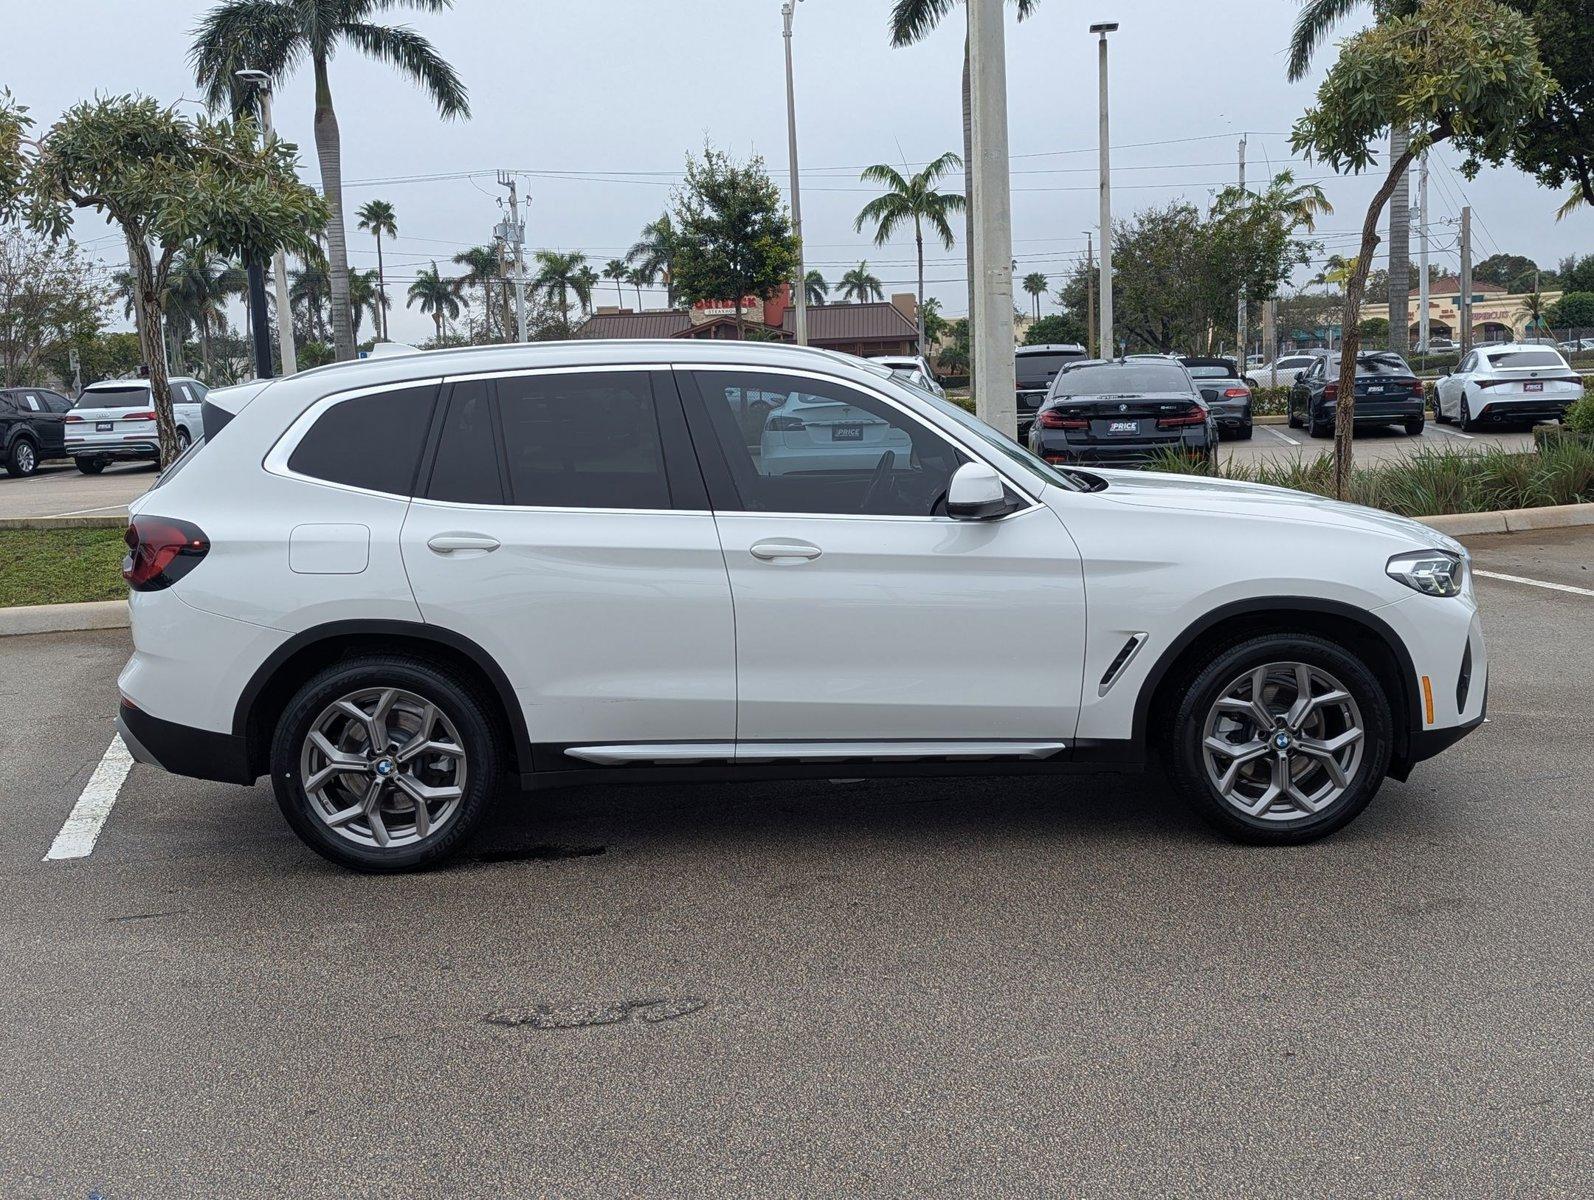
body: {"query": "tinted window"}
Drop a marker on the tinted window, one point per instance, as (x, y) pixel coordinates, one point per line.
(54, 402)
(8, 406)
(31, 402)
(130, 395)
(1526, 358)
(371, 442)
(583, 439)
(1117, 379)
(466, 468)
(1037, 370)
(1211, 371)
(816, 446)
(1382, 363)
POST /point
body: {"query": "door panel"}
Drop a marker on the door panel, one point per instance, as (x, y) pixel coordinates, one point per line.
(48, 424)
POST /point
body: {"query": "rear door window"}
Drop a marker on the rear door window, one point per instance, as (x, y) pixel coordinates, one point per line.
(465, 470)
(372, 442)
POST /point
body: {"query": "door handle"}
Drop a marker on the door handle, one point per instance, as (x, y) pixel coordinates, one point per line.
(449, 543)
(778, 548)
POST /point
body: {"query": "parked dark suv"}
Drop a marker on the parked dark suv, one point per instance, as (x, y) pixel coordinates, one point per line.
(1123, 414)
(32, 428)
(1387, 393)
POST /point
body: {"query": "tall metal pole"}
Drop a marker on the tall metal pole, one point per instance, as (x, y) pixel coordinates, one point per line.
(1090, 294)
(514, 234)
(1465, 307)
(1107, 343)
(259, 327)
(996, 395)
(279, 266)
(1239, 324)
(786, 11)
(1422, 255)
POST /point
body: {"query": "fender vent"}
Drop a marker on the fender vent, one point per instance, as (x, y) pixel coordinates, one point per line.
(1121, 661)
(1464, 684)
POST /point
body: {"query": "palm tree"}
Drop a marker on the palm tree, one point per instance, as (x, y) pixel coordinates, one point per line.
(199, 286)
(616, 270)
(654, 251)
(365, 296)
(639, 279)
(377, 217)
(1300, 203)
(277, 35)
(1035, 284)
(481, 269)
(435, 295)
(912, 199)
(560, 274)
(1533, 308)
(815, 290)
(308, 291)
(914, 20)
(589, 280)
(860, 286)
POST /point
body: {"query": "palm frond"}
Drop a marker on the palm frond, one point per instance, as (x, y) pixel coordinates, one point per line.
(415, 56)
(266, 35)
(1311, 30)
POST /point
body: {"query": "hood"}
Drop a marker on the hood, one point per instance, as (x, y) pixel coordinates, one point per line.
(1197, 493)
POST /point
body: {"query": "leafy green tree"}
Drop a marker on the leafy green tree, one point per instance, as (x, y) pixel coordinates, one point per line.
(1054, 329)
(50, 303)
(733, 235)
(914, 199)
(277, 35)
(1509, 271)
(1467, 71)
(1036, 284)
(1574, 310)
(651, 255)
(861, 285)
(935, 325)
(815, 290)
(558, 275)
(1374, 329)
(1576, 274)
(377, 217)
(616, 270)
(435, 296)
(170, 184)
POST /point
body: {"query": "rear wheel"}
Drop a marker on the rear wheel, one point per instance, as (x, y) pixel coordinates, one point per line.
(1415, 425)
(1318, 427)
(23, 458)
(1245, 432)
(1283, 738)
(182, 440)
(90, 466)
(1465, 421)
(385, 763)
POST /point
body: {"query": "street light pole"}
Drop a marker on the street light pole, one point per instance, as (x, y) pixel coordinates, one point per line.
(786, 11)
(261, 82)
(995, 388)
(1107, 343)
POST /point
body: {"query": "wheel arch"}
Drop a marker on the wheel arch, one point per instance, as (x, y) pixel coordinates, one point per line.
(1357, 629)
(301, 656)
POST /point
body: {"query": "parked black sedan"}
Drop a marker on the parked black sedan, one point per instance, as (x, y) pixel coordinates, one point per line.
(1225, 392)
(1122, 414)
(1388, 392)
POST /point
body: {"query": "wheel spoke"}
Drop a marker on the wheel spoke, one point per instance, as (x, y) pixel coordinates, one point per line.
(337, 762)
(378, 829)
(422, 793)
(418, 747)
(339, 819)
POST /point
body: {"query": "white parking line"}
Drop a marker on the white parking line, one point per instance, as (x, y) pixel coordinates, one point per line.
(1453, 432)
(79, 512)
(1283, 437)
(83, 824)
(1543, 583)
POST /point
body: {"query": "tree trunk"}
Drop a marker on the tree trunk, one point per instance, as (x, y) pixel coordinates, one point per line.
(1350, 336)
(152, 342)
(968, 190)
(1398, 293)
(639, 297)
(381, 288)
(918, 237)
(329, 153)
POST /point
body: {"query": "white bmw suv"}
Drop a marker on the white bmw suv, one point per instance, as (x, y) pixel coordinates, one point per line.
(402, 586)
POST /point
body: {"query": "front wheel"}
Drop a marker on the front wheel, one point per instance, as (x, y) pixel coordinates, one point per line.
(1281, 739)
(385, 763)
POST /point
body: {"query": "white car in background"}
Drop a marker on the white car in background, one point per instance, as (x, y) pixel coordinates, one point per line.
(812, 433)
(913, 369)
(1515, 382)
(114, 421)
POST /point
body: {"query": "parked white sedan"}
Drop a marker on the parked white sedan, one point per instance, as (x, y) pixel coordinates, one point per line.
(1513, 382)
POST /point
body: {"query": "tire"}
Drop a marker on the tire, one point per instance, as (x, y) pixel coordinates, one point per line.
(1318, 429)
(1245, 432)
(1439, 409)
(1319, 805)
(1465, 419)
(23, 458)
(463, 729)
(183, 441)
(1414, 426)
(90, 466)
(1289, 414)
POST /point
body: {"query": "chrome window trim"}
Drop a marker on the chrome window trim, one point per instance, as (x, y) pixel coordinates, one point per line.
(565, 369)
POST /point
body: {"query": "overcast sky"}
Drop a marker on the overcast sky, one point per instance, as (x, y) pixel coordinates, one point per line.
(595, 103)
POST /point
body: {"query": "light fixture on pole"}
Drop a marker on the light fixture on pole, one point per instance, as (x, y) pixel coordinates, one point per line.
(261, 82)
(786, 11)
(1107, 344)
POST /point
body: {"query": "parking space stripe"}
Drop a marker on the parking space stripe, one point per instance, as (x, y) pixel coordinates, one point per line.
(1283, 437)
(1453, 433)
(81, 512)
(1543, 583)
(83, 824)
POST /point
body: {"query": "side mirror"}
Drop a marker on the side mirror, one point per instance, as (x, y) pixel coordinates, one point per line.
(976, 494)
(1299, 376)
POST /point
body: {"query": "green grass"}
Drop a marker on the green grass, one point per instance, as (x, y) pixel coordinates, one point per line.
(59, 566)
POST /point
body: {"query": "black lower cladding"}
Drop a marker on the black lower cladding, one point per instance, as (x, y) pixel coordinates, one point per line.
(184, 750)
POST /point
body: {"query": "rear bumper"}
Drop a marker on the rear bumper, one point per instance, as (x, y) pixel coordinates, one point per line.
(1527, 408)
(1381, 412)
(182, 749)
(112, 447)
(1118, 454)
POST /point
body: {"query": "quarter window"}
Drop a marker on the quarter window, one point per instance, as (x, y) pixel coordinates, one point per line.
(372, 442)
(800, 445)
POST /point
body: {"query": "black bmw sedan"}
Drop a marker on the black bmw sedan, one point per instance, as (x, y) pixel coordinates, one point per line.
(1123, 413)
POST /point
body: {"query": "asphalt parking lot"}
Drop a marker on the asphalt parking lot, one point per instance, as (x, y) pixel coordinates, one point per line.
(61, 490)
(1382, 443)
(924, 988)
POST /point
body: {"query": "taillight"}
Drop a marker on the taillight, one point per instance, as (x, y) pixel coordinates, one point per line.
(73, 419)
(137, 416)
(1193, 415)
(784, 424)
(1236, 393)
(160, 551)
(1331, 391)
(1052, 419)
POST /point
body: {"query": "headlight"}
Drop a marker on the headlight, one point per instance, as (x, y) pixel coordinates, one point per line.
(1431, 572)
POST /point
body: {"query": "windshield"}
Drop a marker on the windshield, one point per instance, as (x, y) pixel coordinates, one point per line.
(1036, 370)
(992, 440)
(1123, 379)
(131, 395)
(1526, 358)
(1379, 362)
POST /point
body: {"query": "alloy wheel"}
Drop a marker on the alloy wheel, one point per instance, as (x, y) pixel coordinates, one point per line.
(26, 460)
(1283, 742)
(383, 767)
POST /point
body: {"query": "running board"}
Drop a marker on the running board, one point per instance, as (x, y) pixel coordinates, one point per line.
(682, 753)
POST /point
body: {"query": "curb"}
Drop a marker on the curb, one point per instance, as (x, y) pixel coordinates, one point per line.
(1514, 520)
(89, 522)
(63, 618)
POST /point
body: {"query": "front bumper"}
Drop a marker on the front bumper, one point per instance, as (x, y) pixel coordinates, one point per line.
(182, 749)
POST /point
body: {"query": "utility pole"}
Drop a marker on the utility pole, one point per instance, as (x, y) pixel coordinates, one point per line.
(1398, 293)
(786, 11)
(261, 82)
(513, 233)
(1090, 294)
(1270, 340)
(1240, 332)
(1107, 343)
(1465, 307)
(1422, 256)
(996, 390)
